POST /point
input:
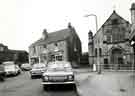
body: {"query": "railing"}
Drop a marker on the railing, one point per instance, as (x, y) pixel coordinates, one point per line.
(117, 67)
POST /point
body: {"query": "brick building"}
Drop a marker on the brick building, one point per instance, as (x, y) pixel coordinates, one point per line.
(19, 56)
(62, 45)
(110, 46)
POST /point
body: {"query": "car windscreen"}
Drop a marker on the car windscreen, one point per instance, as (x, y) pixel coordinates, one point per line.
(38, 66)
(56, 69)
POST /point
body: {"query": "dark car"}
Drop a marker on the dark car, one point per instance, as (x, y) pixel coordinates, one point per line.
(26, 67)
(2, 73)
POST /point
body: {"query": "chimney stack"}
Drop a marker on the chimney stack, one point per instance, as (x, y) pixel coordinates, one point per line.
(44, 34)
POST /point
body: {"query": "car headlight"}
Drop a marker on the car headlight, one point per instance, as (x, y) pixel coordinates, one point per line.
(70, 77)
(45, 78)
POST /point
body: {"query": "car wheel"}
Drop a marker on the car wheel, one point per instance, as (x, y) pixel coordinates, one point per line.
(74, 87)
(32, 77)
(45, 87)
(2, 78)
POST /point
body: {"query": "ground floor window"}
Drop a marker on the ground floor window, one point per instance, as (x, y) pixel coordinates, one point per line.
(34, 60)
(59, 58)
(106, 66)
(56, 57)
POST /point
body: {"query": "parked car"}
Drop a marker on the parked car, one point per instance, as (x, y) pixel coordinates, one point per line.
(11, 68)
(37, 70)
(2, 73)
(59, 72)
(26, 67)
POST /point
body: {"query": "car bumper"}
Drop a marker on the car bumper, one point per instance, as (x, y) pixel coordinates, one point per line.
(55, 83)
(36, 74)
(10, 73)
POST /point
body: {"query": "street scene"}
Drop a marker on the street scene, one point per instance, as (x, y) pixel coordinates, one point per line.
(22, 85)
(67, 48)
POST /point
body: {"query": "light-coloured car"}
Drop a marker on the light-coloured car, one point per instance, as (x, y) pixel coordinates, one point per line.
(58, 73)
(37, 70)
(26, 67)
(11, 68)
(2, 73)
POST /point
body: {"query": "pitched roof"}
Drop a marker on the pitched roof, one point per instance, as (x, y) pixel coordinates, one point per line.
(114, 15)
(54, 37)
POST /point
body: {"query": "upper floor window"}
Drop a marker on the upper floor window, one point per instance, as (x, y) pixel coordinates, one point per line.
(114, 21)
(44, 46)
(34, 49)
(108, 38)
(1, 48)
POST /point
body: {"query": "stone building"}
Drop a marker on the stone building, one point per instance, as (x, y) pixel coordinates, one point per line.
(62, 45)
(109, 48)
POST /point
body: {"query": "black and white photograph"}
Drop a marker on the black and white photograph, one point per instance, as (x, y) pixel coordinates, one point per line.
(67, 47)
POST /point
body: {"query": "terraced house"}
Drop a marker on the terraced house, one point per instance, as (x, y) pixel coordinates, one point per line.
(62, 45)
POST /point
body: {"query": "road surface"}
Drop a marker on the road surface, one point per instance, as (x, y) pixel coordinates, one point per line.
(23, 85)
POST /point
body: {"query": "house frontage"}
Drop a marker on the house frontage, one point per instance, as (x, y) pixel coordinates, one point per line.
(18, 56)
(62, 45)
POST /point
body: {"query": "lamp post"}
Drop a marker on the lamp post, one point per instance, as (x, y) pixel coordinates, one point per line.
(133, 45)
(98, 59)
(95, 20)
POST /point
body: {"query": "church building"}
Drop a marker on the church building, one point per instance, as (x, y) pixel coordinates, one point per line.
(110, 48)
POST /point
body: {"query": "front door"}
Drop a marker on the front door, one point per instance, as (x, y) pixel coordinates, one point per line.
(116, 58)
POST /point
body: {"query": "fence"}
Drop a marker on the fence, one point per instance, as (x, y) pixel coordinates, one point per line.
(117, 67)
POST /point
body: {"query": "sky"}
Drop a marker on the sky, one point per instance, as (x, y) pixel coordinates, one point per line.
(22, 21)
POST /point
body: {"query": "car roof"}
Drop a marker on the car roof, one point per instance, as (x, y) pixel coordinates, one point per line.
(8, 62)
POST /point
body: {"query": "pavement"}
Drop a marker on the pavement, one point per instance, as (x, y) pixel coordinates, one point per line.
(105, 84)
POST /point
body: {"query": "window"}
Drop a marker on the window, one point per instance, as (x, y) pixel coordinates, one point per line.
(1, 48)
(109, 38)
(59, 58)
(100, 52)
(52, 58)
(56, 57)
(34, 49)
(114, 21)
(116, 34)
(96, 52)
(44, 46)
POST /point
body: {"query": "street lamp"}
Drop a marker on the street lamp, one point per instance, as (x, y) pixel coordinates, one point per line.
(95, 20)
(98, 59)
